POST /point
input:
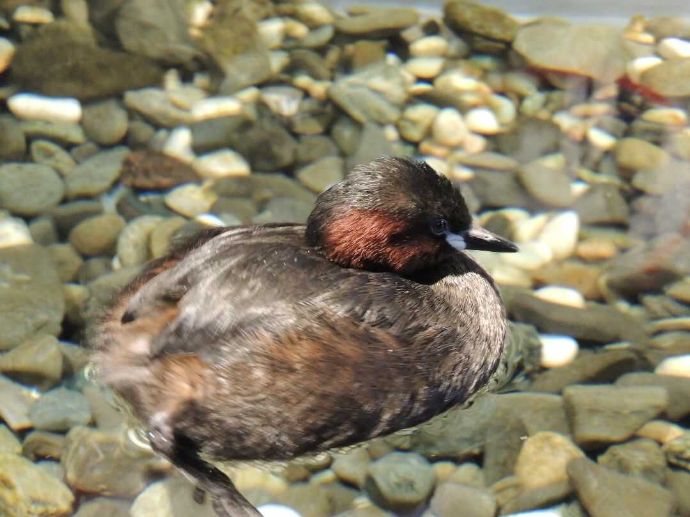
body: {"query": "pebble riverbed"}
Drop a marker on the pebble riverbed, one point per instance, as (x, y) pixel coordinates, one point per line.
(125, 124)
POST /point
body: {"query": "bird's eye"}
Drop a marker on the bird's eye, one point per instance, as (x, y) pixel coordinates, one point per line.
(439, 226)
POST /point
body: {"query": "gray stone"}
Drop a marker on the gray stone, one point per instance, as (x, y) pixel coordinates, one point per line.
(669, 78)
(346, 134)
(679, 483)
(106, 463)
(377, 22)
(543, 459)
(29, 189)
(133, 242)
(38, 360)
(637, 154)
(547, 185)
(105, 122)
(284, 210)
(609, 414)
(266, 144)
(95, 175)
(26, 489)
(102, 507)
(321, 174)
(97, 235)
(155, 105)
(595, 322)
(451, 498)
(67, 261)
(595, 51)
(352, 466)
(68, 215)
(363, 104)
(314, 147)
(63, 60)
(602, 366)
(678, 389)
(680, 290)
(605, 493)
(643, 458)
(43, 230)
(62, 132)
(170, 498)
(15, 403)
(162, 235)
(496, 189)
(400, 481)
(12, 141)
(156, 29)
(9, 444)
(372, 144)
(42, 444)
(306, 499)
(602, 204)
(678, 451)
(59, 410)
(31, 300)
(47, 153)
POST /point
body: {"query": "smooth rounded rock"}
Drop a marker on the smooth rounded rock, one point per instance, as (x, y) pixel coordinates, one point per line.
(557, 350)
(560, 234)
(29, 106)
(400, 480)
(60, 410)
(29, 189)
(97, 236)
(105, 122)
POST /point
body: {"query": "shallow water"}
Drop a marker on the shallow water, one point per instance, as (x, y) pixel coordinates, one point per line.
(126, 125)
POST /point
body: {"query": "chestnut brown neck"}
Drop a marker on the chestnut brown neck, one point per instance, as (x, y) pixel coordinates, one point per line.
(372, 240)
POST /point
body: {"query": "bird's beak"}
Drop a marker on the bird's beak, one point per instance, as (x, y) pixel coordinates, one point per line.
(477, 238)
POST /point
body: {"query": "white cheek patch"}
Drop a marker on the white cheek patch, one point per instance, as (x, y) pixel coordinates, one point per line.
(456, 241)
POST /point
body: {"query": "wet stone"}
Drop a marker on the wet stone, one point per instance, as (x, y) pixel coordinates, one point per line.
(38, 360)
(400, 481)
(103, 507)
(52, 155)
(106, 463)
(352, 466)
(42, 444)
(606, 414)
(61, 132)
(606, 493)
(284, 209)
(169, 498)
(450, 497)
(372, 144)
(669, 78)
(67, 261)
(306, 499)
(642, 458)
(26, 489)
(105, 122)
(543, 459)
(133, 241)
(9, 444)
(60, 410)
(31, 299)
(152, 170)
(321, 174)
(95, 175)
(363, 104)
(29, 189)
(97, 235)
(12, 140)
(377, 23)
(488, 22)
(602, 204)
(547, 185)
(678, 389)
(678, 451)
(637, 154)
(63, 60)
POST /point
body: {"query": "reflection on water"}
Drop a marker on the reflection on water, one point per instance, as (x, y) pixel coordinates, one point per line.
(131, 123)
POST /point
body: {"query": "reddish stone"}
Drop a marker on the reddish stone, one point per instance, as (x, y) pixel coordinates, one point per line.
(152, 170)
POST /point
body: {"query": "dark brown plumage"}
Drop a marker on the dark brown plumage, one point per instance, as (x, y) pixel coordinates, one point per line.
(268, 342)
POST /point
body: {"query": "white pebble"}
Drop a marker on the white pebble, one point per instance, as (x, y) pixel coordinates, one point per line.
(13, 231)
(673, 48)
(509, 275)
(560, 234)
(425, 67)
(314, 14)
(179, 144)
(636, 67)
(221, 164)
(272, 32)
(277, 510)
(530, 257)
(216, 107)
(678, 366)
(557, 350)
(558, 511)
(436, 46)
(666, 116)
(482, 121)
(295, 29)
(601, 139)
(190, 199)
(199, 13)
(282, 100)
(456, 81)
(561, 295)
(32, 14)
(529, 228)
(449, 127)
(279, 59)
(30, 106)
(578, 188)
(6, 54)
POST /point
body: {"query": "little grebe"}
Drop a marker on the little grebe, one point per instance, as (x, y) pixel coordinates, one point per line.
(268, 342)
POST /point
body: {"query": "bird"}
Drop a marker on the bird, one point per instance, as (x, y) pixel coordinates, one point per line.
(268, 342)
